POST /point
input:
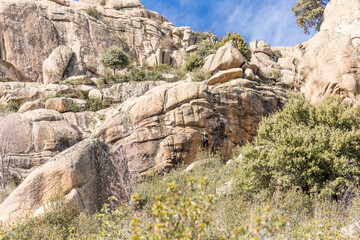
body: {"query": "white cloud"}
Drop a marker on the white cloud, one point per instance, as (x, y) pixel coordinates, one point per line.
(269, 20)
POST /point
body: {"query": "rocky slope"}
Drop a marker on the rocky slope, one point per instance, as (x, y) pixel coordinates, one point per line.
(54, 64)
(83, 174)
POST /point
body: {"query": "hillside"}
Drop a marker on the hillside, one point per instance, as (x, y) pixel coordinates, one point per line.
(72, 127)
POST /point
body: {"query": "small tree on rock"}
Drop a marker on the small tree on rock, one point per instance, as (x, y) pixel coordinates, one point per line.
(115, 59)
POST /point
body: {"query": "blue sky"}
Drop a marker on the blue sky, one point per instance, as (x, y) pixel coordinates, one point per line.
(269, 20)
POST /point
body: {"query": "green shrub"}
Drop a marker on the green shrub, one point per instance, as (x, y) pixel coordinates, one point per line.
(177, 215)
(313, 147)
(54, 224)
(13, 106)
(94, 105)
(202, 35)
(162, 68)
(277, 53)
(193, 62)
(92, 11)
(184, 205)
(276, 74)
(199, 75)
(180, 74)
(72, 94)
(138, 75)
(74, 107)
(240, 43)
(115, 59)
(205, 48)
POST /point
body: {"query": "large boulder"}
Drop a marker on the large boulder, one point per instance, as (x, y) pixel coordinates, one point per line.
(225, 76)
(59, 104)
(329, 62)
(162, 128)
(10, 73)
(226, 57)
(55, 65)
(83, 174)
(260, 46)
(31, 138)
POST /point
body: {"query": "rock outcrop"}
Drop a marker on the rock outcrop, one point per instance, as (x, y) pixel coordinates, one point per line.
(55, 65)
(31, 138)
(82, 174)
(59, 39)
(329, 62)
(226, 57)
(162, 128)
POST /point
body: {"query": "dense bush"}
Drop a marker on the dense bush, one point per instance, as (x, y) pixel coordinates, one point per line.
(193, 62)
(115, 59)
(313, 147)
(240, 43)
(94, 105)
(177, 215)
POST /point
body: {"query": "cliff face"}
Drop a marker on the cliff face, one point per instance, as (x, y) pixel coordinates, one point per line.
(329, 63)
(50, 51)
(30, 32)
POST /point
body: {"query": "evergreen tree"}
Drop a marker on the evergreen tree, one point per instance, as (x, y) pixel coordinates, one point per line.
(309, 13)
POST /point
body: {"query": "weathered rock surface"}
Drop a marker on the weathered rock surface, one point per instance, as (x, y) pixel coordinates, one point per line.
(9, 73)
(122, 91)
(83, 174)
(260, 46)
(59, 39)
(55, 65)
(35, 136)
(163, 127)
(226, 57)
(329, 62)
(225, 76)
(59, 104)
(28, 106)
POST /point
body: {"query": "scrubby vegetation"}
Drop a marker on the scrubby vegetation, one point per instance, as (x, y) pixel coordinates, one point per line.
(12, 106)
(92, 11)
(277, 53)
(276, 74)
(115, 59)
(199, 75)
(193, 62)
(298, 180)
